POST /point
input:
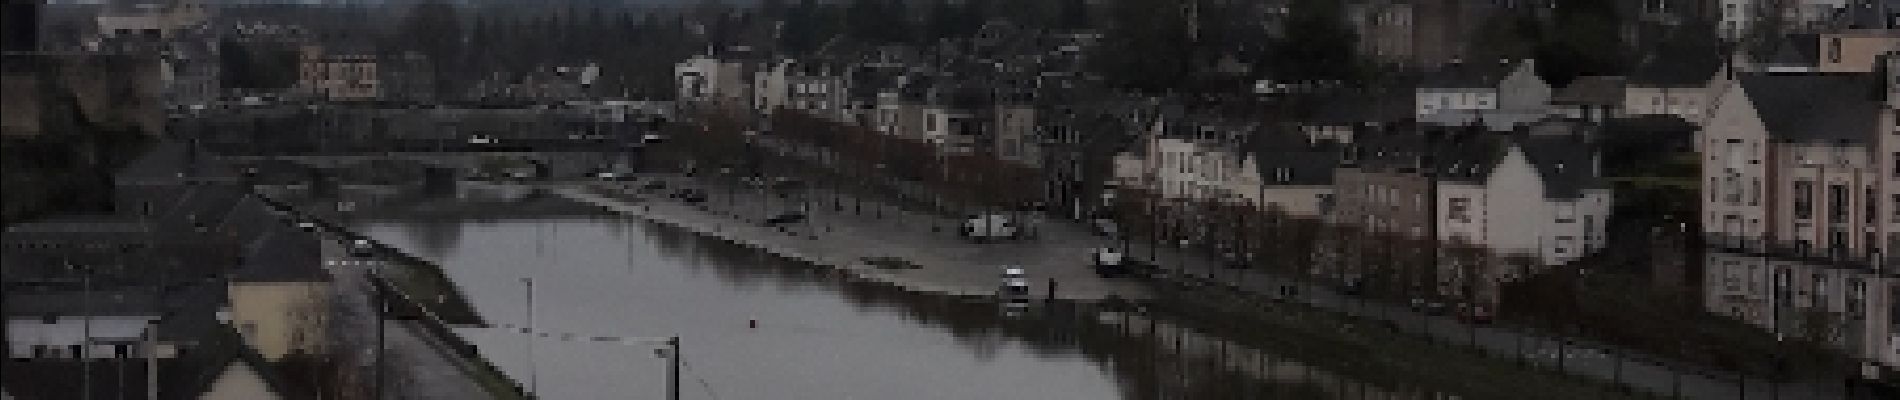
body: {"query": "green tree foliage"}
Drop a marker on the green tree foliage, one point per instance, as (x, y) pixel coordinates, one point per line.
(1146, 47)
(878, 21)
(1582, 39)
(1318, 44)
(257, 66)
(435, 28)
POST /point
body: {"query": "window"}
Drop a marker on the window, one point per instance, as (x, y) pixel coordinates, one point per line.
(1803, 199)
(1459, 210)
(1834, 50)
(1872, 200)
(1754, 192)
(1837, 204)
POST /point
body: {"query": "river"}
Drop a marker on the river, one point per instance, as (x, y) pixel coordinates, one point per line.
(756, 327)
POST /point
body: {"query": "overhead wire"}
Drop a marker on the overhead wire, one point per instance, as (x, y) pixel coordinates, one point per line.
(702, 380)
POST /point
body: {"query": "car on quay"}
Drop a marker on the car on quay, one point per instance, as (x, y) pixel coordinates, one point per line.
(1109, 262)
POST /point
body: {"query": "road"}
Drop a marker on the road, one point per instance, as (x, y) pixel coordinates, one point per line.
(417, 366)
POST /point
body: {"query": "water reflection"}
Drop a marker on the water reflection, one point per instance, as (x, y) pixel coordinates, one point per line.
(819, 334)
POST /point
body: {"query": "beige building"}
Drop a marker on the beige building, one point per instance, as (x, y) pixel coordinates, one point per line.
(1793, 166)
(280, 297)
(1856, 51)
(338, 76)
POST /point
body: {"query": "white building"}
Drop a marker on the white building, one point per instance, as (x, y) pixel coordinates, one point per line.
(724, 80)
(1534, 194)
(1501, 95)
(154, 19)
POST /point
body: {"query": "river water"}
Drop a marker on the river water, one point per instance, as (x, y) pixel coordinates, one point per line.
(817, 335)
(813, 340)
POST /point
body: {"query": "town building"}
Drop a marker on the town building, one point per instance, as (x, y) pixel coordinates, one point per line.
(1499, 95)
(338, 74)
(1794, 167)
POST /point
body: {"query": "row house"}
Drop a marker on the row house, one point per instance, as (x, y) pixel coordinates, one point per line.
(810, 86)
(722, 79)
(1676, 82)
(1851, 309)
(338, 75)
(1293, 173)
(1596, 99)
(1417, 33)
(1380, 185)
(1498, 95)
(1535, 193)
(1803, 166)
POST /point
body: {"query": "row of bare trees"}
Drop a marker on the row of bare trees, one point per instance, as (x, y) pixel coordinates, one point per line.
(976, 179)
(1381, 264)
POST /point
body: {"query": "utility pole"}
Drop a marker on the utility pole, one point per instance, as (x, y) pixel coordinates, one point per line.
(533, 376)
(673, 369)
(85, 344)
(382, 313)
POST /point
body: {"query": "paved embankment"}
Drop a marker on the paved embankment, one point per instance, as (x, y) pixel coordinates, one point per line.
(842, 232)
(840, 236)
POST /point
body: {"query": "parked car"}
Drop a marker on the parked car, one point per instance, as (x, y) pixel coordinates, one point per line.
(1109, 262)
(987, 227)
(1352, 287)
(1014, 284)
(690, 195)
(1474, 314)
(656, 184)
(1285, 292)
(1429, 307)
(362, 248)
(788, 217)
(1105, 227)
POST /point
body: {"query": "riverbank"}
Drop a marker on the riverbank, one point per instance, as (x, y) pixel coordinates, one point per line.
(843, 234)
(733, 213)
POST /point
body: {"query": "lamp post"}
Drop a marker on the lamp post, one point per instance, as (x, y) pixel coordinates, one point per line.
(85, 343)
(533, 376)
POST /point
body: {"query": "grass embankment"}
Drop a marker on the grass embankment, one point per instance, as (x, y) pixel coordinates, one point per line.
(1372, 352)
(426, 283)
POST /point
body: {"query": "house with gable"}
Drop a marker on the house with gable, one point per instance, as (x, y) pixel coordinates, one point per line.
(1794, 166)
(1497, 95)
(1536, 193)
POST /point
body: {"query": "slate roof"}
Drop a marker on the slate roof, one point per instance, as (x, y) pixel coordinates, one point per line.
(171, 162)
(1564, 162)
(283, 255)
(1592, 90)
(1816, 108)
(69, 303)
(1306, 164)
(1469, 74)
